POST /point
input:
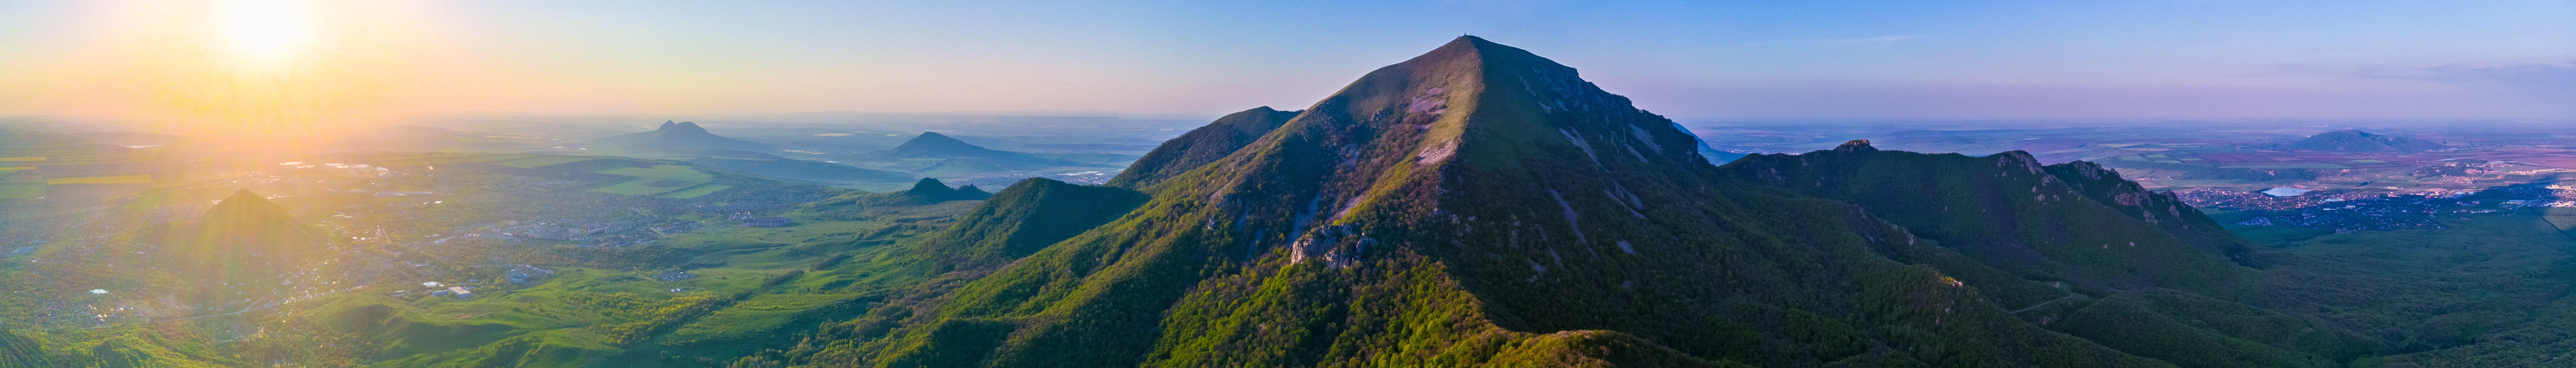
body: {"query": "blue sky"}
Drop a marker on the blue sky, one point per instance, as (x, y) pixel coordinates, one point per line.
(1688, 59)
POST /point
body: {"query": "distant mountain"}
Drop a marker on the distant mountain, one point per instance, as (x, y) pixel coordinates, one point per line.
(857, 205)
(686, 135)
(1202, 146)
(935, 145)
(2357, 141)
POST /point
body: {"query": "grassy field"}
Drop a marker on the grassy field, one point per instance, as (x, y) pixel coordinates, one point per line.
(659, 179)
(767, 287)
(22, 191)
(632, 186)
(533, 162)
(695, 191)
(666, 172)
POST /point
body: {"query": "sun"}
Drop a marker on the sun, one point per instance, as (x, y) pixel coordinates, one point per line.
(265, 33)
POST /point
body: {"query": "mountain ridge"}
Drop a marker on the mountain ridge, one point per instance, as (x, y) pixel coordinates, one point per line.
(1476, 205)
(1201, 146)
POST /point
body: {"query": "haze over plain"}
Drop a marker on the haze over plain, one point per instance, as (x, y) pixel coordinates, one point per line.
(1737, 59)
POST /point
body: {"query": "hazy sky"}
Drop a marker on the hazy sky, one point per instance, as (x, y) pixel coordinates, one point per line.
(1688, 59)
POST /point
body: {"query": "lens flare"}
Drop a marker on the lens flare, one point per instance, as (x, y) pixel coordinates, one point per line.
(265, 33)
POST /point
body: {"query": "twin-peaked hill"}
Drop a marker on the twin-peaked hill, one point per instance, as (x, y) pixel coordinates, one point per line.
(856, 205)
(1482, 206)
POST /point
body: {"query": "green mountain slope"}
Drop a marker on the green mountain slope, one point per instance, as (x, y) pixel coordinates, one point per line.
(22, 352)
(1475, 206)
(1029, 215)
(1202, 146)
(2086, 252)
(2049, 222)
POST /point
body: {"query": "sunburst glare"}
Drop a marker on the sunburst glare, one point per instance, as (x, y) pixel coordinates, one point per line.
(265, 34)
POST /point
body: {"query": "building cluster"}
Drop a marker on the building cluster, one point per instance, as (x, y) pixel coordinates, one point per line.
(2256, 201)
(521, 274)
(768, 222)
(674, 276)
(2356, 211)
(2380, 213)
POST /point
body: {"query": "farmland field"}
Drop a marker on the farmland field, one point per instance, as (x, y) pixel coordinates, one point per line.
(119, 179)
(22, 191)
(667, 172)
(695, 191)
(533, 162)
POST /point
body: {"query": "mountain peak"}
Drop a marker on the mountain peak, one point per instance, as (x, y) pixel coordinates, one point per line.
(687, 127)
(1856, 145)
(929, 185)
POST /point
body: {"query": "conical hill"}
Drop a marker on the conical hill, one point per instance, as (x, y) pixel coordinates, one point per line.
(685, 135)
(935, 145)
(248, 223)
